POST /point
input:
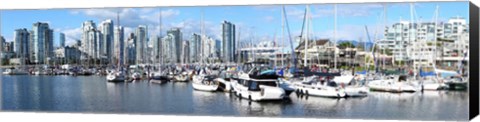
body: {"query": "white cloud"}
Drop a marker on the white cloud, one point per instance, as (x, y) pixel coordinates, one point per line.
(129, 17)
(71, 34)
(327, 10)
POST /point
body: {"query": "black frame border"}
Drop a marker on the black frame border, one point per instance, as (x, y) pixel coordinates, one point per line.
(473, 62)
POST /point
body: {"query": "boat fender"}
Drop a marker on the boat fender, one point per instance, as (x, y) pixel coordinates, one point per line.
(249, 97)
(262, 92)
(306, 92)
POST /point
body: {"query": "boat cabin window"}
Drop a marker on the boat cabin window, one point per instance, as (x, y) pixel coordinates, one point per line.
(402, 78)
(239, 81)
(255, 86)
(332, 84)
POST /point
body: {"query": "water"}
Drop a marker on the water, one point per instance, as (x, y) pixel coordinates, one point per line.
(93, 94)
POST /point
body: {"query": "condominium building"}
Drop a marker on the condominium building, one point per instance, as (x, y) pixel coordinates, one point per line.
(174, 42)
(42, 48)
(21, 40)
(141, 43)
(419, 41)
(62, 39)
(228, 42)
(106, 46)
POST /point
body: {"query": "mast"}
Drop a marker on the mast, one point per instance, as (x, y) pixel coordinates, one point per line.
(365, 49)
(435, 38)
(118, 29)
(293, 56)
(335, 38)
(283, 37)
(202, 39)
(238, 50)
(275, 48)
(306, 38)
(411, 35)
(160, 43)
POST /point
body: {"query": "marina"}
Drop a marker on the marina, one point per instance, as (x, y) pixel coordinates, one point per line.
(417, 70)
(93, 94)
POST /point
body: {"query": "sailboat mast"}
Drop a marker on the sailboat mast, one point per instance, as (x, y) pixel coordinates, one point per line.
(384, 25)
(238, 50)
(335, 38)
(411, 36)
(435, 37)
(118, 29)
(202, 39)
(306, 38)
(293, 57)
(160, 43)
(283, 37)
(275, 49)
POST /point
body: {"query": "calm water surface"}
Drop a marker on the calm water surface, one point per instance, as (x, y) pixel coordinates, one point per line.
(93, 94)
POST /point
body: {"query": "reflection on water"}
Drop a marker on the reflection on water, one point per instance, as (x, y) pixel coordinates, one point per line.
(93, 94)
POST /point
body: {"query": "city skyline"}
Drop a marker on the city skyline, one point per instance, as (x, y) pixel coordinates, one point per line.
(264, 20)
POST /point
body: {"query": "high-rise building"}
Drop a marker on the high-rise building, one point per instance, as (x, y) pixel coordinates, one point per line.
(228, 42)
(185, 52)
(119, 45)
(195, 46)
(21, 38)
(130, 49)
(157, 49)
(62, 40)
(401, 37)
(208, 49)
(168, 49)
(88, 39)
(141, 43)
(42, 43)
(218, 48)
(175, 36)
(106, 48)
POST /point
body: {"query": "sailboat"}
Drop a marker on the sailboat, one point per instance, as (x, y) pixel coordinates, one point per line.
(117, 75)
(204, 82)
(14, 71)
(158, 76)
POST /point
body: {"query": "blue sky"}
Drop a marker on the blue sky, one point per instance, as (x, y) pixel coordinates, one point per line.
(255, 22)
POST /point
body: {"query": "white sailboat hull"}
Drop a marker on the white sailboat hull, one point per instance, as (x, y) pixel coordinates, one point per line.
(115, 78)
(198, 85)
(323, 91)
(266, 93)
(390, 86)
(14, 72)
(203, 87)
(352, 91)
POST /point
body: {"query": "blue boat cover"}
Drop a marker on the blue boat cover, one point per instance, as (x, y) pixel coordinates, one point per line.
(423, 74)
(362, 72)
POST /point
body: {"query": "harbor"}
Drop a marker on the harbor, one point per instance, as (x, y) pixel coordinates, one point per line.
(417, 69)
(92, 94)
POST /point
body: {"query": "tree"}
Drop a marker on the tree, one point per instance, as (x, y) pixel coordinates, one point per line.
(346, 44)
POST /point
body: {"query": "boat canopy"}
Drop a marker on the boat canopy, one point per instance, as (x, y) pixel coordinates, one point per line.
(362, 72)
(424, 74)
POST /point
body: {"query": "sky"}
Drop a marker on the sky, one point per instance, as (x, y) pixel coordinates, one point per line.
(257, 23)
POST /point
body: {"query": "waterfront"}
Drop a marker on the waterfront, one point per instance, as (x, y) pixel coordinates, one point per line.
(92, 94)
